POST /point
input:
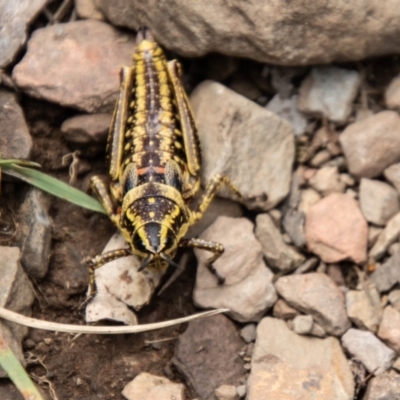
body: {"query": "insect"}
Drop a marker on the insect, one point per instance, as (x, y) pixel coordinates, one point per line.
(154, 162)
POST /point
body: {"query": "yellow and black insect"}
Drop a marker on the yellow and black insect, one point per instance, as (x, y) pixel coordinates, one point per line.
(154, 162)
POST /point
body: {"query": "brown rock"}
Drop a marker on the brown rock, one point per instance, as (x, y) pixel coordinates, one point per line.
(372, 144)
(336, 229)
(383, 387)
(277, 32)
(75, 64)
(392, 94)
(282, 310)
(207, 354)
(315, 294)
(389, 329)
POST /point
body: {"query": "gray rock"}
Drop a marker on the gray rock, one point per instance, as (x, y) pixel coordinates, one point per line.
(392, 174)
(15, 17)
(153, 387)
(389, 329)
(241, 391)
(388, 236)
(394, 299)
(315, 294)
(317, 330)
(277, 253)
(396, 364)
(394, 248)
(248, 290)
(379, 201)
(364, 308)
(285, 363)
(383, 387)
(85, 129)
(226, 392)
(75, 64)
(276, 216)
(392, 94)
(15, 140)
(387, 275)
(287, 109)
(16, 294)
(372, 145)
(329, 92)
(327, 180)
(367, 348)
(282, 310)
(248, 333)
(222, 116)
(218, 207)
(293, 223)
(320, 158)
(373, 234)
(302, 324)
(308, 265)
(35, 233)
(274, 32)
(207, 354)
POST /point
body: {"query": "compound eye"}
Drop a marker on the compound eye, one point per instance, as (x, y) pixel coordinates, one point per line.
(138, 244)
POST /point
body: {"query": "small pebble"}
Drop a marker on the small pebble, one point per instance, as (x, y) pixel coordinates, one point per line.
(248, 333)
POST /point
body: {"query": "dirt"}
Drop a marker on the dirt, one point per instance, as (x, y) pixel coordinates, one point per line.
(89, 366)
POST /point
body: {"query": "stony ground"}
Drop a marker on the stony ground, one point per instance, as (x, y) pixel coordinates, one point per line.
(312, 255)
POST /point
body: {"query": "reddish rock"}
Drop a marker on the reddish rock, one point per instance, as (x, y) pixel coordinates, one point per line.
(75, 64)
(336, 230)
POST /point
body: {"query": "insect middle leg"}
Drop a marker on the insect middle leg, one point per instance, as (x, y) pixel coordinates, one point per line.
(214, 247)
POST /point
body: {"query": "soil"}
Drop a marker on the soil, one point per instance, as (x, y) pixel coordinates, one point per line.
(88, 366)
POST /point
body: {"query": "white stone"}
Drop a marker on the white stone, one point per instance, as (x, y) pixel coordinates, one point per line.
(308, 198)
(302, 324)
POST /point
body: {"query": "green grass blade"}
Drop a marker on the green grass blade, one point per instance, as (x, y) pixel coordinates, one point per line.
(17, 373)
(52, 185)
(23, 163)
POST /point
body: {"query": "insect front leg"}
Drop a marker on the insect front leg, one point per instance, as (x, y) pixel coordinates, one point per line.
(214, 247)
(209, 193)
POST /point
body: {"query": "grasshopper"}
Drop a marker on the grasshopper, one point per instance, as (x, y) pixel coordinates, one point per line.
(154, 162)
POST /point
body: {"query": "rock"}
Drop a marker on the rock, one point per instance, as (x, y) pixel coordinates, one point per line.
(16, 294)
(372, 145)
(276, 216)
(364, 308)
(284, 364)
(87, 9)
(394, 248)
(222, 116)
(387, 275)
(336, 229)
(278, 254)
(75, 64)
(383, 387)
(327, 181)
(207, 354)
(379, 201)
(147, 386)
(120, 285)
(396, 364)
(366, 347)
(315, 294)
(394, 299)
(273, 32)
(87, 129)
(347, 179)
(392, 94)
(334, 271)
(282, 310)
(302, 324)
(317, 330)
(287, 109)
(241, 391)
(320, 158)
(15, 17)
(373, 234)
(15, 140)
(309, 265)
(308, 198)
(248, 290)
(388, 236)
(389, 329)
(248, 333)
(35, 232)
(293, 222)
(226, 392)
(329, 92)
(218, 207)
(392, 174)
